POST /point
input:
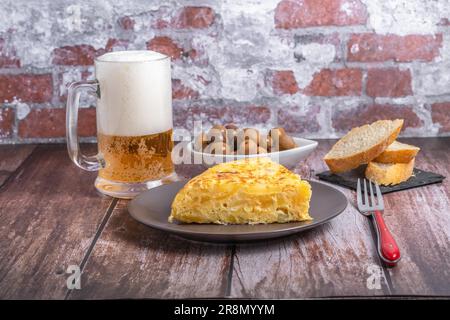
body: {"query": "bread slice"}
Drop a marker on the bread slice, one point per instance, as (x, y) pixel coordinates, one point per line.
(362, 144)
(397, 152)
(389, 173)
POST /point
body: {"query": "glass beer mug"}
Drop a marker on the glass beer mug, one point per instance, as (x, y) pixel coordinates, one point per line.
(134, 122)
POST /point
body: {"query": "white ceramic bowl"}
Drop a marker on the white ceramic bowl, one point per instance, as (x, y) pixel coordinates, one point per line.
(288, 158)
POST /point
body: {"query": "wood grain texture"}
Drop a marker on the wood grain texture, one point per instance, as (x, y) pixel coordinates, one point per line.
(131, 260)
(52, 217)
(335, 259)
(49, 213)
(420, 221)
(11, 157)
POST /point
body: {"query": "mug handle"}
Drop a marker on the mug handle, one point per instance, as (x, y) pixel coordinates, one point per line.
(89, 163)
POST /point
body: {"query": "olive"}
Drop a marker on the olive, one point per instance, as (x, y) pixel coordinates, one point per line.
(214, 135)
(217, 148)
(280, 140)
(252, 134)
(248, 147)
(262, 141)
(231, 126)
(273, 143)
(279, 131)
(219, 127)
(286, 142)
(262, 150)
(201, 141)
(231, 137)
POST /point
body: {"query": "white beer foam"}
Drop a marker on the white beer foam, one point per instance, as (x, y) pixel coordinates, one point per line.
(136, 93)
(131, 56)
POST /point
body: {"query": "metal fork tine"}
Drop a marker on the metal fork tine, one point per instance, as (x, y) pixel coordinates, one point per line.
(366, 197)
(359, 194)
(372, 196)
(379, 196)
(386, 245)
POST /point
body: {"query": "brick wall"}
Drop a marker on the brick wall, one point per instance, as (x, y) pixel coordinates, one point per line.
(316, 67)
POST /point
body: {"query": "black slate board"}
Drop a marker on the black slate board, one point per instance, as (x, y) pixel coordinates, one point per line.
(349, 179)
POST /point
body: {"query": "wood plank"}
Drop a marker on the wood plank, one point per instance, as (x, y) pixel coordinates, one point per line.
(44, 232)
(11, 157)
(131, 260)
(420, 219)
(50, 214)
(332, 260)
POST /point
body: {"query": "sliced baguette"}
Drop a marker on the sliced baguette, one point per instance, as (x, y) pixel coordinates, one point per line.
(362, 144)
(389, 173)
(397, 152)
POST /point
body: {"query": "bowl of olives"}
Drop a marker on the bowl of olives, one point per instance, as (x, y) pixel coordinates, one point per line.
(223, 143)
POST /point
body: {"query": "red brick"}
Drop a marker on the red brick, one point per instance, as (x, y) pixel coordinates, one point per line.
(444, 22)
(78, 55)
(440, 113)
(116, 44)
(241, 115)
(194, 17)
(291, 14)
(370, 47)
(51, 123)
(9, 62)
(160, 24)
(182, 92)
(83, 54)
(8, 58)
(6, 122)
(344, 120)
(87, 125)
(63, 84)
(166, 46)
(193, 54)
(126, 23)
(335, 82)
(388, 82)
(283, 82)
(26, 87)
(296, 120)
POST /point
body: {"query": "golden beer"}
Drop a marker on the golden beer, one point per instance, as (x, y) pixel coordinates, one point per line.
(136, 159)
(134, 122)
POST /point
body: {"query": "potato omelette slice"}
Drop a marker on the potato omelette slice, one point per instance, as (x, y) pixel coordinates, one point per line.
(248, 191)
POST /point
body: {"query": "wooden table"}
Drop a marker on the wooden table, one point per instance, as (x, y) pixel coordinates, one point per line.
(51, 217)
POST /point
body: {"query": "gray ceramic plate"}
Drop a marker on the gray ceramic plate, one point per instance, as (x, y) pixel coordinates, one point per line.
(153, 208)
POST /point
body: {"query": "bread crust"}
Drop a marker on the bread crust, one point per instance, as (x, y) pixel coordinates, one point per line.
(391, 174)
(338, 165)
(397, 156)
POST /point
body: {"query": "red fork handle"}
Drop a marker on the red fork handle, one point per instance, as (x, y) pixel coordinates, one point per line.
(387, 247)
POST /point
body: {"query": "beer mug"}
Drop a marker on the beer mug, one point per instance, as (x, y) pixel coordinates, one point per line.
(134, 122)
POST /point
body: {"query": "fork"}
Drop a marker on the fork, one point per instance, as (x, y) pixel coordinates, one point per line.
(386, 245)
